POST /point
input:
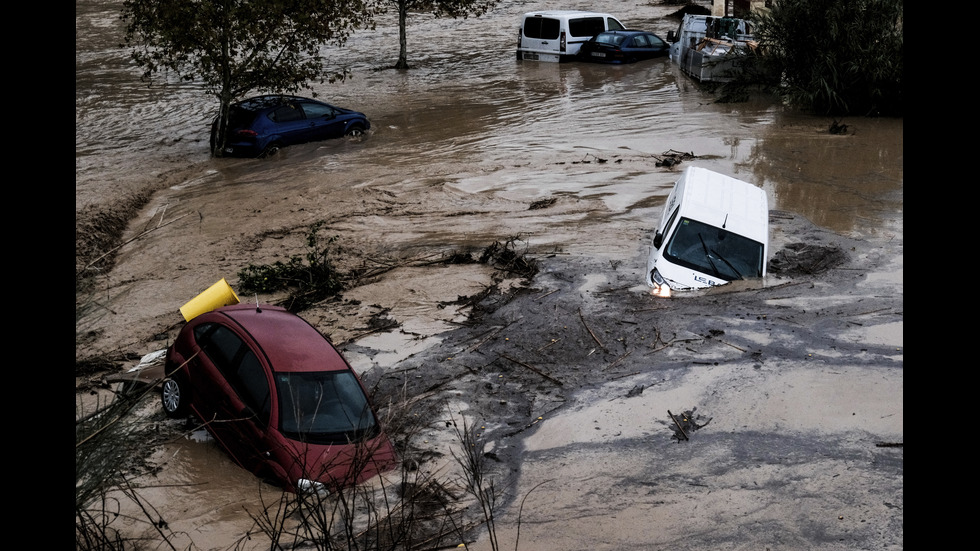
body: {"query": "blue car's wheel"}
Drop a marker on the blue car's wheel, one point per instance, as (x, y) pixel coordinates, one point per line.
(355, 131)
(270, 149)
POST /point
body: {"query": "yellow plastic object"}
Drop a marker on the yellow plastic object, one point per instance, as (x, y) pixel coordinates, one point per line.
(218, 295)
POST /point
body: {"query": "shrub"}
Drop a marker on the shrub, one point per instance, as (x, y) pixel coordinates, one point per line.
(835, 57)
(310, 277)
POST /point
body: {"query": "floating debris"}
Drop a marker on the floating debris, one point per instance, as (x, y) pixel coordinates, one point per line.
(587, 159)
(542, 203)
(838, 127)
(672, 158)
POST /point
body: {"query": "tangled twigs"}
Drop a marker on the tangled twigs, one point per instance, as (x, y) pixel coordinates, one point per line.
(504, 257)
(114, 249)
(671, 158)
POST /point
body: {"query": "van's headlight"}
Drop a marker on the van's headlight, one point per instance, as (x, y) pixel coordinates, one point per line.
(660, 287)
(307, 486)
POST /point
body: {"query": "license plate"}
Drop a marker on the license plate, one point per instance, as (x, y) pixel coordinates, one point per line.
(530, 56)
(598, 54)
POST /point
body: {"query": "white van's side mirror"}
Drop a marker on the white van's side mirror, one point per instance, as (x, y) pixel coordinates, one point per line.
(658, 240)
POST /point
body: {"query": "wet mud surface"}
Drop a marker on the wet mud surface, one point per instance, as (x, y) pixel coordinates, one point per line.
(789, 391)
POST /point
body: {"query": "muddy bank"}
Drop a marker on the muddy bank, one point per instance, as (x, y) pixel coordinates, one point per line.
(570, 375)
(573, 376)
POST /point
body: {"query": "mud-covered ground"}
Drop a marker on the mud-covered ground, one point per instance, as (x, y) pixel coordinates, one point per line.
(789, 394)
(584, 385)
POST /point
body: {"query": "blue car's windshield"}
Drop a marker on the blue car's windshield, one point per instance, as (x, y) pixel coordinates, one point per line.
(714, 251)
(324, 407)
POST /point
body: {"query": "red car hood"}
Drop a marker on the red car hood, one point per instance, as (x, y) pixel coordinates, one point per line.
(335, 465)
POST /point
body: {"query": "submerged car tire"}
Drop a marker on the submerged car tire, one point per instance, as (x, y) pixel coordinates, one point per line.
(270, 150)
(355, 131)
(175, 395)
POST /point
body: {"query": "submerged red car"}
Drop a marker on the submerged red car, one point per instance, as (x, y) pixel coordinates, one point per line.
(278, 396)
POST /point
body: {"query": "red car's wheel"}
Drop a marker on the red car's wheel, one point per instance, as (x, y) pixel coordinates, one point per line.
(175, 395)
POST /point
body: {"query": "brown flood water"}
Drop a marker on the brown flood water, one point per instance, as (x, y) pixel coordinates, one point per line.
(460, 145)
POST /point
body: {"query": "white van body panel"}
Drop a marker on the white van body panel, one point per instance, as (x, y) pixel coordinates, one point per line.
(721, 206)
(553, 39)
(705, 46)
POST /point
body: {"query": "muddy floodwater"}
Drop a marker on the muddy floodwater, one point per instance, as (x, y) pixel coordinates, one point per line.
(801, 375)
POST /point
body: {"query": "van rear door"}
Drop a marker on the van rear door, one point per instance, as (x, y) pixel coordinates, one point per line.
(539, 34)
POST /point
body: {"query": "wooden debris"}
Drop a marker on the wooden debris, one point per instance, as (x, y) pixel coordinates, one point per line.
(534, 369)
(686, 424)
(679, 427)
(671, 158)
(582, 317)
(618, 361)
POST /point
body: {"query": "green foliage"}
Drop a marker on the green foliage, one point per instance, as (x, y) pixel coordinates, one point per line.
(310, 277)
(237, 46)
(835, 57)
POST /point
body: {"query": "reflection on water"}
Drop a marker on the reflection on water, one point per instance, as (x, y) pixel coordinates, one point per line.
(842, 182)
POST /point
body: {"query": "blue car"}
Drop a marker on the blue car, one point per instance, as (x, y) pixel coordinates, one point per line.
(260, 126)
(623, 47)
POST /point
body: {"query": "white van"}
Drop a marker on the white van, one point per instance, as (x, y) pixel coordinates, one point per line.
(714, 230)
(557, 35)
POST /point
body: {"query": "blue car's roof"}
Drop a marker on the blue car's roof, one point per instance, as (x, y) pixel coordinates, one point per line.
(272, 100)
(623, 35)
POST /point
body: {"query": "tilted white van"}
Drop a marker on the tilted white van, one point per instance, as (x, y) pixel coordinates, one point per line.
(557, 35)
(714, 230)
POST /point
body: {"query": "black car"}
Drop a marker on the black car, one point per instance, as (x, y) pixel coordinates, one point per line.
(623, 47)
(261, 125)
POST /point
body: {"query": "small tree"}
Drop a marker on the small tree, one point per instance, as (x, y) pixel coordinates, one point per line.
(237, 46)
(835, 56)
(439, 8)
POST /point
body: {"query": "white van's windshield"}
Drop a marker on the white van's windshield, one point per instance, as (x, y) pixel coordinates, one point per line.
(714, 251)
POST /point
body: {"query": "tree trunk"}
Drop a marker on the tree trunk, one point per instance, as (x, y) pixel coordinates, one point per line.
(402, 32)
(219, 132)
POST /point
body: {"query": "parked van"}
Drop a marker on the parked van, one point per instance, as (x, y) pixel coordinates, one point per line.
(557, 35)
(714, 230)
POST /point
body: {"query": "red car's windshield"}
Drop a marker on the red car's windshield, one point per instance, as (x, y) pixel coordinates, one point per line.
(324, 407)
